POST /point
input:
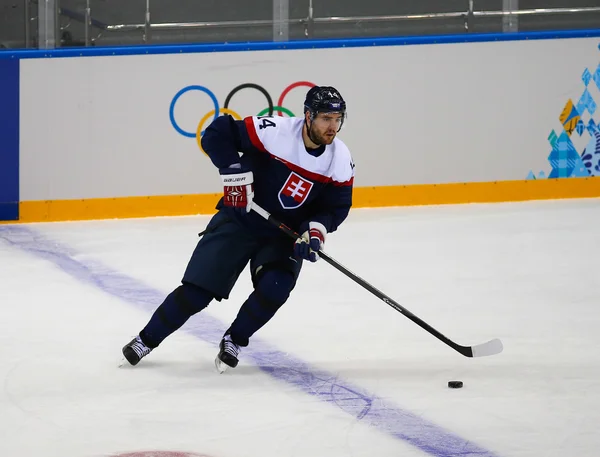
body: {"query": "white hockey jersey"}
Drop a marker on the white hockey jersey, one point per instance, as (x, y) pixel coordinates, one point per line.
(295, 185)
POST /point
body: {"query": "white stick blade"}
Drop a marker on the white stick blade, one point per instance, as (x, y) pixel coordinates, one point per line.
(490, 348)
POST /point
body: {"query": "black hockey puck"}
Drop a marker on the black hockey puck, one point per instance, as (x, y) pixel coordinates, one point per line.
(455, 384)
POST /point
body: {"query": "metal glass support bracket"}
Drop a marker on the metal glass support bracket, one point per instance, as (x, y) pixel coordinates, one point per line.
(281, 16)
(47, 23)
(510, 22)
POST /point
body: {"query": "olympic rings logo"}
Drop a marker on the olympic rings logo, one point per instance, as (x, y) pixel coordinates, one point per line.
(217, 111)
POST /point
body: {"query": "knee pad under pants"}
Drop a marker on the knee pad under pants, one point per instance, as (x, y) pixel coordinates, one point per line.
(178, 307)
(273, 287)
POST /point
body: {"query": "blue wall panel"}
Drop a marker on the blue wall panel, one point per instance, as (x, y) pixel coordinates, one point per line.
(9, 140)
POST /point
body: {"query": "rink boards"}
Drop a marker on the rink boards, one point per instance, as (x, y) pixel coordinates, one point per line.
(114, 132)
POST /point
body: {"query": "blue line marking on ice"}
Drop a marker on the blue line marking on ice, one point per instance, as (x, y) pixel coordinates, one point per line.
(327, 387)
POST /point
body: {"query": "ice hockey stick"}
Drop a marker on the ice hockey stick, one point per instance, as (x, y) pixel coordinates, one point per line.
(491, 347)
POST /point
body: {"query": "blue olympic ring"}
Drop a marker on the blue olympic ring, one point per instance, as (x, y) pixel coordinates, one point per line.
(179, 94)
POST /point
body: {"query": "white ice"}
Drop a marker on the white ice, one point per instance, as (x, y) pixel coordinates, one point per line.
(526, 273)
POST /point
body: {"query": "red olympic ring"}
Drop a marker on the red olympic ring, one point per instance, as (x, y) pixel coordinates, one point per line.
(289, 88)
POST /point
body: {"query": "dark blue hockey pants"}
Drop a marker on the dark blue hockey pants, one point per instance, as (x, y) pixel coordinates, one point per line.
(218, 260)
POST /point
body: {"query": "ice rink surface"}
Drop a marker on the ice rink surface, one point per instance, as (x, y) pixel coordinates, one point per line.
(337, 372)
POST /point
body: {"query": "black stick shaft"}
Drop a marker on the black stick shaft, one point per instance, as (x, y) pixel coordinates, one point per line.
(464, 350)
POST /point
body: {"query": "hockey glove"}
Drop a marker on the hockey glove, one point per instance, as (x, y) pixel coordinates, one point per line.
(308, 245)
(237, 187)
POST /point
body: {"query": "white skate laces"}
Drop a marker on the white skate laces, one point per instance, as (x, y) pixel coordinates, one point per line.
(230, 347)
(140, 348)
(228, 354)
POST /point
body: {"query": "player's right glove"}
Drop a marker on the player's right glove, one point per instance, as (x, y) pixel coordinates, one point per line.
(308, 245)
(238, 191)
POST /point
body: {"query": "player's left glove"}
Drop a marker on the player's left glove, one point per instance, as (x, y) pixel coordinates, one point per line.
(308, 245)
(238, 190)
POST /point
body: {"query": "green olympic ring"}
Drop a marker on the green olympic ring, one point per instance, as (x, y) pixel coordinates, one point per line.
(281, 109)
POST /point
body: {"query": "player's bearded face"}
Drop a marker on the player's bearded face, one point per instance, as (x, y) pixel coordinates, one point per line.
(325, 126)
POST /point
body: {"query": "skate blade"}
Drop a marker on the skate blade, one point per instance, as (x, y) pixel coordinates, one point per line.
(220, 366)
(124, 363)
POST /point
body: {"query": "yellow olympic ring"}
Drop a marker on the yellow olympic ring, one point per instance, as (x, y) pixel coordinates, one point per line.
(206, 117)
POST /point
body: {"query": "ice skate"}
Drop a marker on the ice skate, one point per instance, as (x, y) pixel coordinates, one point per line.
(135, 350)
(228, 354)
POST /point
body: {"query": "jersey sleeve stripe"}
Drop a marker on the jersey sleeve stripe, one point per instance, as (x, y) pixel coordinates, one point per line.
(350, 182)
(249, 121)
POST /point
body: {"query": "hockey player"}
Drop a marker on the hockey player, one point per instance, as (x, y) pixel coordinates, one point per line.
(297, 170)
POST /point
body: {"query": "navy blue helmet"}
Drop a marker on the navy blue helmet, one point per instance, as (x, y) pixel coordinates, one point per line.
(324, 99)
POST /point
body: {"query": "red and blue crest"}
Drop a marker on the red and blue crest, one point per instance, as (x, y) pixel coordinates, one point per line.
(295, 191)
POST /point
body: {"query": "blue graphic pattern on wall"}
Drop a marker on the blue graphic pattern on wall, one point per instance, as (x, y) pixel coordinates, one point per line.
(591, 155)
(578, 120)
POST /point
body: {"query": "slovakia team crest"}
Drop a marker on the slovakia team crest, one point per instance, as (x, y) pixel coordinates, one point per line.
(294, 191)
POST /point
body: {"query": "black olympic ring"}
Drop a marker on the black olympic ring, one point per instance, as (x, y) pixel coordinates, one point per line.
(250, 86)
